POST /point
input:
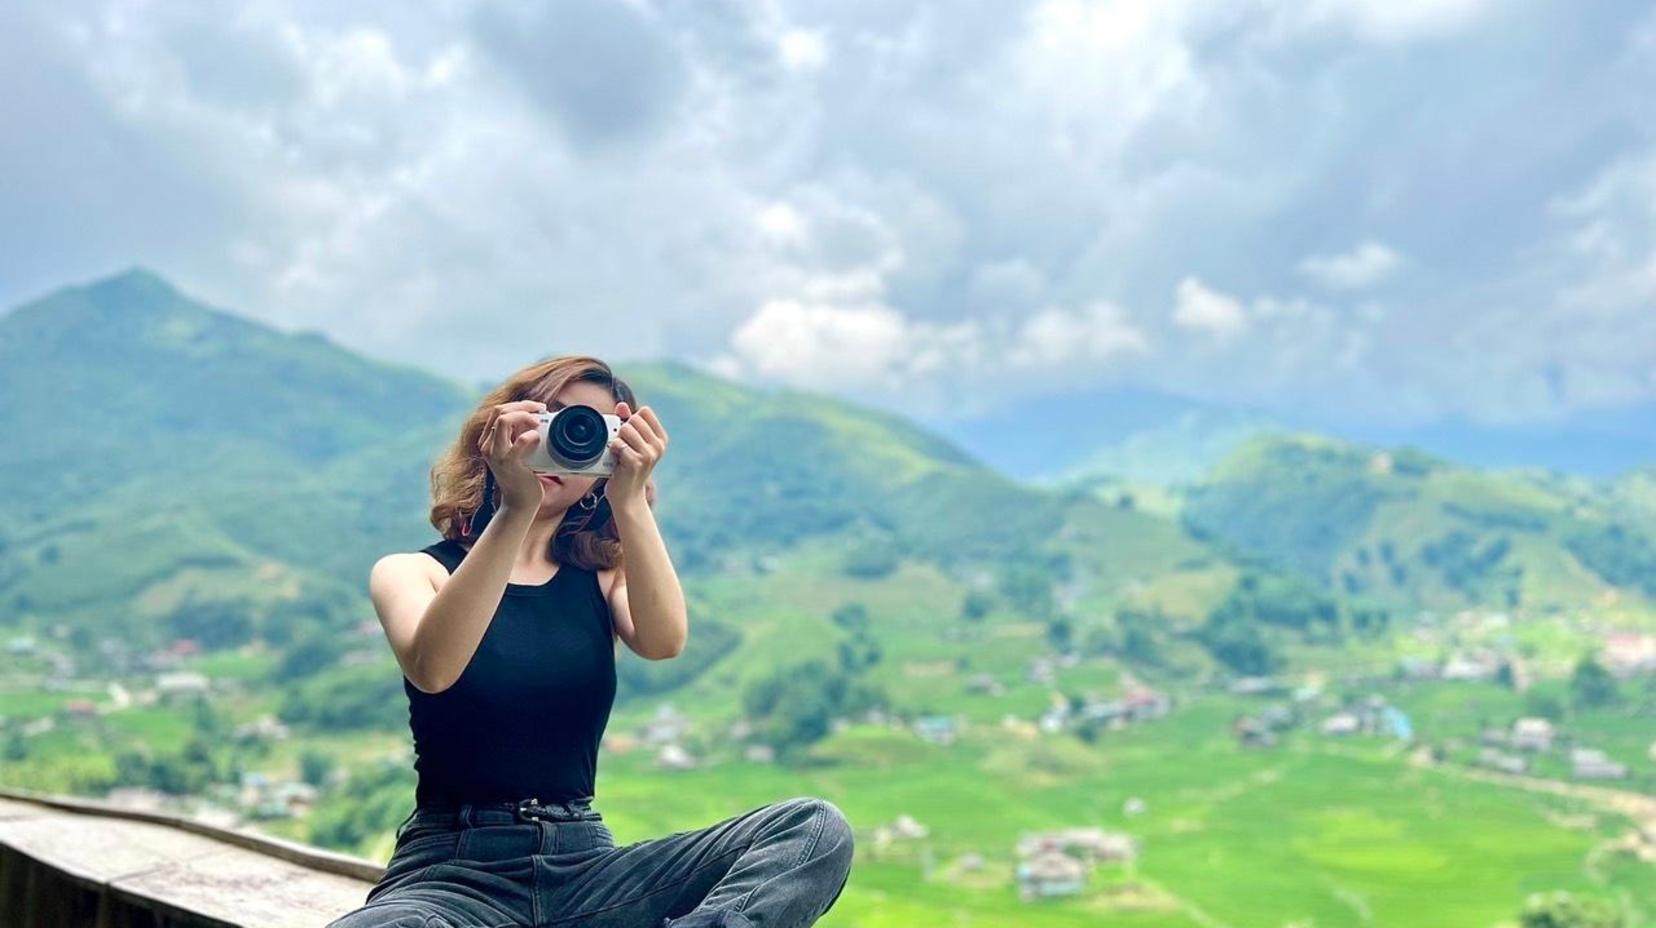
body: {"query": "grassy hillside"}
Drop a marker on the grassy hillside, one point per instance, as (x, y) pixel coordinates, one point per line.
(1416, 530)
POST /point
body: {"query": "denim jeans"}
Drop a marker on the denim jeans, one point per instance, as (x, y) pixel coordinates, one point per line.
(780, 865)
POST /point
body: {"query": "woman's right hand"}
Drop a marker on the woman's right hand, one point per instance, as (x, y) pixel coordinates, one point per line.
(509, 436)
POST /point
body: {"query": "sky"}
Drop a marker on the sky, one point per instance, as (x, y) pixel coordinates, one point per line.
(1389, 211)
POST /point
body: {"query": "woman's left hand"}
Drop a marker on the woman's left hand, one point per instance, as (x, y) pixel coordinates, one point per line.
(637, 447)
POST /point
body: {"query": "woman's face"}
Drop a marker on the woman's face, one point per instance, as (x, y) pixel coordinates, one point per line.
(560, 492)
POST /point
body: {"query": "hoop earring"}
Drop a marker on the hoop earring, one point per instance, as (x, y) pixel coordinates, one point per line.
(592, 505)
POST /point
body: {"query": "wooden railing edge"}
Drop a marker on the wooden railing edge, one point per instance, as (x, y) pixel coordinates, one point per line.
(305, 855)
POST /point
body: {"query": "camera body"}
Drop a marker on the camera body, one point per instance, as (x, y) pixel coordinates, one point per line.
(575, 440)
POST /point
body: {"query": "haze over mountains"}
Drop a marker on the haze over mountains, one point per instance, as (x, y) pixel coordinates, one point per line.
(1164, 439)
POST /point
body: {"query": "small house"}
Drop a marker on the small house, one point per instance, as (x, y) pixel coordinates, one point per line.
(1591, 764)
(1050, 873)
(1496, 759)
(937, 729)
(1532, 734)
(183, 681)
(674, 757)
(1341, 723)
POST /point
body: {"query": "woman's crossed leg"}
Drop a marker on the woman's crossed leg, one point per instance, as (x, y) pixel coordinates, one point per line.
(781, 865)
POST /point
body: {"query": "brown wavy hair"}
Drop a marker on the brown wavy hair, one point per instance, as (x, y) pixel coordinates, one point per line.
(457, 477)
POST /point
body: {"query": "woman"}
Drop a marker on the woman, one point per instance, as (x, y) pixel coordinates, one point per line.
(507, 631)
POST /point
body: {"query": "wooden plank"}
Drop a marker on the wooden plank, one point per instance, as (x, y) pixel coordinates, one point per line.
(247, 889)
(173, 867)
(10, 808)
(314, 857)
(99, 851)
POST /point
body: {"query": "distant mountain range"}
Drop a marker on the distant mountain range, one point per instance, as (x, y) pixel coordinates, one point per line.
(1158, 438)
(171, 453)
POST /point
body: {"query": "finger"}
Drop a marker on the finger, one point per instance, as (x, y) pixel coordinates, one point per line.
(650, 417)
(492, 444)
(634, 440)
(516, 423)
(503, 410)
(525, 445)
(642, 424)
(623, 410)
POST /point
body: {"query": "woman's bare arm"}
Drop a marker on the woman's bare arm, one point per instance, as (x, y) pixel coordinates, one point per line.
(435, 632)
(652, 617)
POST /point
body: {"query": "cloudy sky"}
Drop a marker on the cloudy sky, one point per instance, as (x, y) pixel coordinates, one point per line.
(1391, 210)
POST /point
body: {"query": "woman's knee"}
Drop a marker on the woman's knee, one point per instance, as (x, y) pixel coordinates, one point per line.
(835, 838)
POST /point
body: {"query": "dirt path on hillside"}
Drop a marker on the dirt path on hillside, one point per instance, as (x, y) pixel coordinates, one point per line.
(1638, 807)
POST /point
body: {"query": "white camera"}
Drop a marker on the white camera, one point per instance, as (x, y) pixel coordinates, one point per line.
(575, 440)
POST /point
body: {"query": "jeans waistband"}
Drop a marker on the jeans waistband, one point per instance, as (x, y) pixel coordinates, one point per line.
(506, 812)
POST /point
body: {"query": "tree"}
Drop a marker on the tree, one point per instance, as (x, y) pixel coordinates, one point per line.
(1279, 600)
(1059, 634)
(215, 625)
(207, 720)
(311, 654)
(315, 766)
(793, 706)
(851, 616)
(1544, 704)
(1592, 686)
(335, 701)
(870, 560)
(1028, 589)
(1559, 909)
(1239, 645)
(976, 605)
(858, 653)
(1138, 635)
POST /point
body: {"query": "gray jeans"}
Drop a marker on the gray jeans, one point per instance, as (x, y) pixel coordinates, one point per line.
(487, 866)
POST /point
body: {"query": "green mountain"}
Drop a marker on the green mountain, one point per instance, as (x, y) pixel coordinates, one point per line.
(764, 468)
(256, 474)
(1416, 530)
(178, 453)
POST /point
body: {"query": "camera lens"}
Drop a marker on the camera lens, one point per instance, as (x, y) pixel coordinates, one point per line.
(578, 435)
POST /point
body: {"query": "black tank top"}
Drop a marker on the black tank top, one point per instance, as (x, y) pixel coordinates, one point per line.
(526, 716)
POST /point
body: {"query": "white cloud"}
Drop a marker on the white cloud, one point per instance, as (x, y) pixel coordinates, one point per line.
(870, 348)
(824, 347)
(803, 49)
(1364, 266)
(1200, 308)
(782, 225)
(1389, 21)
(1094, 75)
(1056, 337)
(965, 203)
